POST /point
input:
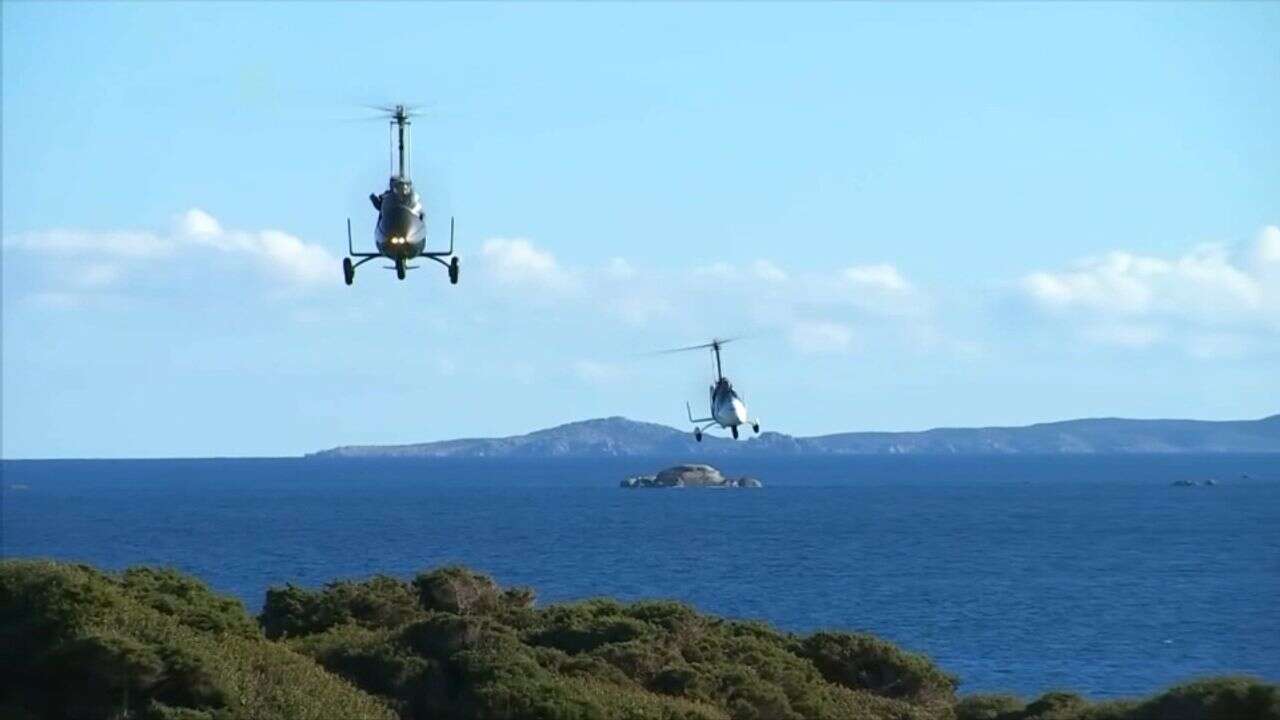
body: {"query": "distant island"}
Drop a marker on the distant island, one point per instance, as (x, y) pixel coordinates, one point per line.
(451, 643)
(620, 437)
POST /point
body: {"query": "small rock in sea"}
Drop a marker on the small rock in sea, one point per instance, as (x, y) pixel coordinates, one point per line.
(690, 475)
(1183, 483)
(1210, 481)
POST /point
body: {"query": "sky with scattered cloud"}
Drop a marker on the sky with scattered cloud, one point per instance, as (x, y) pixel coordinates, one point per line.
(903, 269)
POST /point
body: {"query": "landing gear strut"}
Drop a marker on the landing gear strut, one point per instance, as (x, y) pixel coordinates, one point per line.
(400, 268)
(453, 271)
(348, 270)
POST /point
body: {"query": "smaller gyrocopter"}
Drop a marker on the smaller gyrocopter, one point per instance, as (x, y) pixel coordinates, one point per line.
(727, 408)
(401, 232)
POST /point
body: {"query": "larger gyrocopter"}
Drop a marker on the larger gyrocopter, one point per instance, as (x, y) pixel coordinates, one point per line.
(727, 408)
(401, 233)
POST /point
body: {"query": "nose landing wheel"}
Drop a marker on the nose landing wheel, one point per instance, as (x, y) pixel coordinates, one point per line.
(348, 271)
(453, 271)
(755, 428)
(735, 432)
(400, 268)
(697, 434)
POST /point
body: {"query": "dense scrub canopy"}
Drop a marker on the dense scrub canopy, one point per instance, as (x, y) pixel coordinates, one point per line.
(867, 663)
(1225, 698)
(453, 644)
(380, 601)
(77, 643)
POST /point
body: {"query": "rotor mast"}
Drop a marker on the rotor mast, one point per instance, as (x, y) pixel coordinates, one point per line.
(401, 118)
(715, 347)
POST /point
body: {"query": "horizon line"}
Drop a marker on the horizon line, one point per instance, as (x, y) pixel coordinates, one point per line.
(309, 454)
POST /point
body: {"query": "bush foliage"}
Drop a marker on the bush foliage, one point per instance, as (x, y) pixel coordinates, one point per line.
(452, 644)
(77, 643)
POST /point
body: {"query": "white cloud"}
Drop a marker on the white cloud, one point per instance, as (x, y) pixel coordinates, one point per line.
(85, 242)
(96, 275)
(280, 253)
(620, 268)
(879, 290)
(821, 337)
(1267, 249)
(718, 270)
(518, 262)
(883, 278)
(1204, 283)
(200, 224)
(295, 259)
(769, 272)
(1199, 300)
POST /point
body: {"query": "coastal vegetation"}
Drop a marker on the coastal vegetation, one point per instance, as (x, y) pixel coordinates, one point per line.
(149, 643)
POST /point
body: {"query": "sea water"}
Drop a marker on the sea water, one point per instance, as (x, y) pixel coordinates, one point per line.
(1016, 573)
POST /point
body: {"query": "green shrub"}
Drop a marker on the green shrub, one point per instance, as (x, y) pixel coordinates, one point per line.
(1055, 706)
(1241, 698)
(863, 662)
(988, 707)
(379, 602)
(187, 600)
(457, 590)
(574, 635)
(150, 644)
(77, 643)
(292, 611)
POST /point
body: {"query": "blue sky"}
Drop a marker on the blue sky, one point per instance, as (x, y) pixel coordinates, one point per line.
(920, 214)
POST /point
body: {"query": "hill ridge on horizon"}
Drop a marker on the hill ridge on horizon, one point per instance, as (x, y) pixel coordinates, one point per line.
(616, 435)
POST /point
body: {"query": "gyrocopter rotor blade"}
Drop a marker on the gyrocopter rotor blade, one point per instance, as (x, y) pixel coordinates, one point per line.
(392, 109)
(715, 342)
(434, 111)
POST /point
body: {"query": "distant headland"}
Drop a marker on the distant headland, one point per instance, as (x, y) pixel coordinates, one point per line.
(621, 437)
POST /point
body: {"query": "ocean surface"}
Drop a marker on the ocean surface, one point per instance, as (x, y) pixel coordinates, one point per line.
(1018, 574)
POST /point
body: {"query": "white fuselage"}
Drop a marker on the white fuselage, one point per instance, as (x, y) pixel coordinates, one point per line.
(727, 409)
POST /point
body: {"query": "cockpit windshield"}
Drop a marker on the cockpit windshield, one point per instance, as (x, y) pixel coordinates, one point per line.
(401, 194)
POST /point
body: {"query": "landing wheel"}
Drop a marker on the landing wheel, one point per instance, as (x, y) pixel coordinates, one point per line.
(697, 435)
(453, 271)
(348, 270)
(755, 428)
(735, 432)
(400, 269)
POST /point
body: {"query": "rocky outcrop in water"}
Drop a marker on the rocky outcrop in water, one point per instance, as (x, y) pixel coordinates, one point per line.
(691, 475)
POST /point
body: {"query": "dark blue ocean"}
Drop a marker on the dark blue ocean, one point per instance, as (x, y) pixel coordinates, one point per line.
(1017, 574)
